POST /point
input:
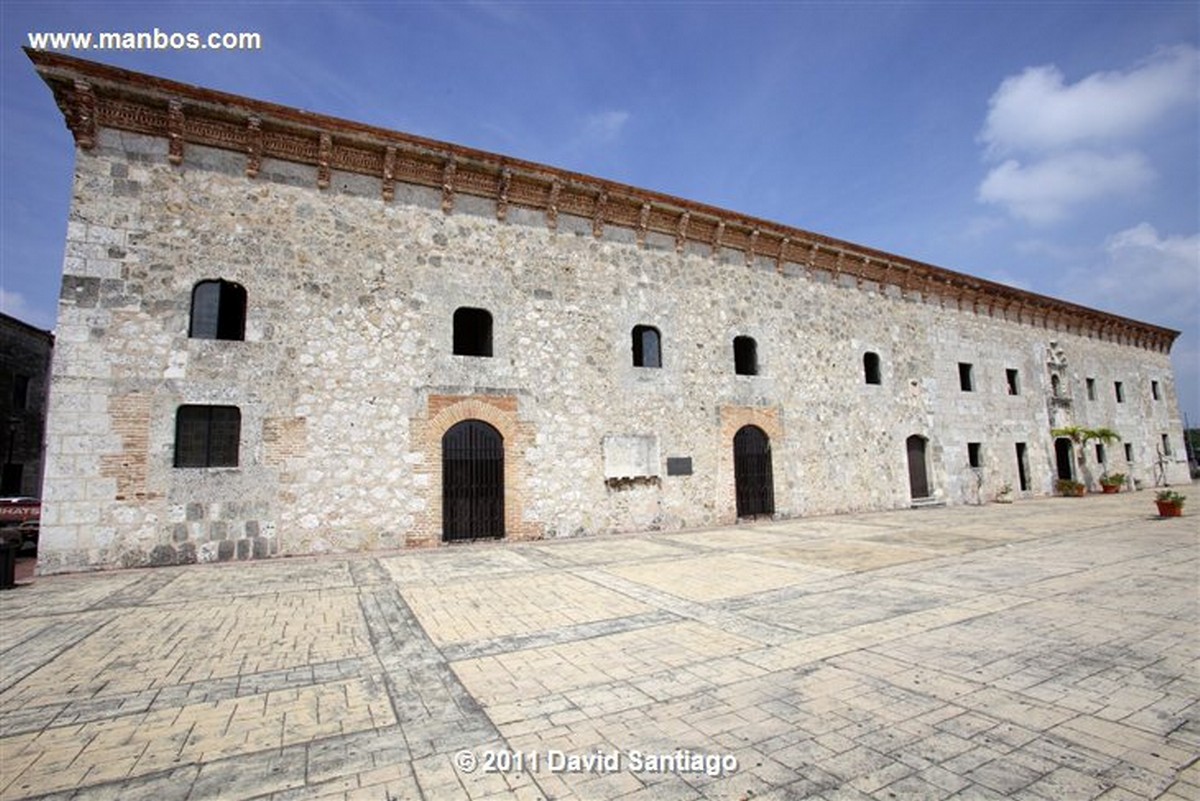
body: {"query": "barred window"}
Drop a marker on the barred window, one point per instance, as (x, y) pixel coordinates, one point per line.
(207, 436)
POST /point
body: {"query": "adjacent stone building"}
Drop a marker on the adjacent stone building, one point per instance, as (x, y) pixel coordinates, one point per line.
(24, 381)
(283, 333)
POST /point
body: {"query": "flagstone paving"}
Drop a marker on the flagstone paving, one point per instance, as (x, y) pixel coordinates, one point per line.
(1044, 650)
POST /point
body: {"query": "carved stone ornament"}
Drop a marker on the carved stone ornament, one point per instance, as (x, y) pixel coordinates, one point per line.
(81, 116)
(552, 206)
(448, 185)
(254, 147)
(389, 173)
(598, 215)
(681, 233)
(502, 194)
(324, 156)
(175, 131)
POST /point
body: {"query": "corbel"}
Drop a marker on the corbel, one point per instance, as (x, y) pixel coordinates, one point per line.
(502, 194)
(175, 131)
(552, 205)
(643, 224)
(389, 173)
(752, 248)
(598, 214)
(681, 231)
(448, 171)
(718, 235)
(782, 257)
(82, 115)
(254, 147)
(324, 157)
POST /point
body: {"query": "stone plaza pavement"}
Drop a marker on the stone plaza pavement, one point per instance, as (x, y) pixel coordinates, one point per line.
(1046, 649)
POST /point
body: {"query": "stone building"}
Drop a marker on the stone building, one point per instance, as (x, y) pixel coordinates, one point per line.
(283, 333)
(24, 381)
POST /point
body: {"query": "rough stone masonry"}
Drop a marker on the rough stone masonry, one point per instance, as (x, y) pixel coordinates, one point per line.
(282, 333)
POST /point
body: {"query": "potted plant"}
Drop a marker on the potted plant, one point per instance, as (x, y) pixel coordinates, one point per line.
(1169, 502)
(1005, 494)
(1112, 482)
(1068, 488)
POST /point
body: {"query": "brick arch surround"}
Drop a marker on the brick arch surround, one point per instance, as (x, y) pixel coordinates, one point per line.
(443, 412)
(732, 419)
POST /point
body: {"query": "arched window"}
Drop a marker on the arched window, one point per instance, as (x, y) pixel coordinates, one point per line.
(871, 373)
(472, 332)
(745, 356)
(218, 311)
(647, 346)
(207, 436)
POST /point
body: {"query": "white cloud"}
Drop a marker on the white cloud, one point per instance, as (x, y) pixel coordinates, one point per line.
(14, 304)
(604, 126)
(1044, 191)
(1145, 276)
(1065, 145)
(1037, 111)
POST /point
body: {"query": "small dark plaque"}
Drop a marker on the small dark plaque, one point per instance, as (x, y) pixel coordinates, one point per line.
(679, 465)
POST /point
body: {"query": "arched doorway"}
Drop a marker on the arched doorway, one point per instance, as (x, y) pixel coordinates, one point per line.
(918, 472)
(472, 482)
(1064, 458)
(752, 476)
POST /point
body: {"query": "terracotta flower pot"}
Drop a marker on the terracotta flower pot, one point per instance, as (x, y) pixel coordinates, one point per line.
(1168, 509)
(1109, 489)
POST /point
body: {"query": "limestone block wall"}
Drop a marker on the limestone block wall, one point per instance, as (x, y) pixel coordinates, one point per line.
(346, 379)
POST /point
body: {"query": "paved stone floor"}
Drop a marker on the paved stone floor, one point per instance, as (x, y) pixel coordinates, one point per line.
(1043, 650)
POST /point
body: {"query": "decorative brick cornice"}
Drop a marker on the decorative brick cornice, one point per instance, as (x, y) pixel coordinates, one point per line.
(92, 96)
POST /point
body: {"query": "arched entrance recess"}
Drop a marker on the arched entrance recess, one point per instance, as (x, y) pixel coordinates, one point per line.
(918, 471)
(752, 476)
(472, 482)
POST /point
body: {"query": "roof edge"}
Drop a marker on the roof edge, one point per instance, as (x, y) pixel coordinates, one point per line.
(92, 95)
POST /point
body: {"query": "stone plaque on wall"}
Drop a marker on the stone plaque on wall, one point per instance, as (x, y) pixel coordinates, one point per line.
(630, 455)
(679, 465)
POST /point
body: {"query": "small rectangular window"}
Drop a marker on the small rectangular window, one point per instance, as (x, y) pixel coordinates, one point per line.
(871, 371)
(1119, 388)
(207, 436)
(10, 479)
(472, 332)
(974, 457)
(1101, 456)
(745, 356)
(1091, 389)
(1154, 390)
(20, 392)
(966, 380)
(1014, 382)
(647, 346)
(1166, 445)
(1128, 452)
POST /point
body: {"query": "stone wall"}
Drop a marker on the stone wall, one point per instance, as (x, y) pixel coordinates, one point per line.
(346, 380)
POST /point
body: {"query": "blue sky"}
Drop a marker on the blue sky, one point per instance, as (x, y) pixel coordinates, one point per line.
(1053, 146)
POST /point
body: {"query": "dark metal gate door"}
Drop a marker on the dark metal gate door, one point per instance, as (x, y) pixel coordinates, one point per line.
(472, 482)
(752, 477)
(918, 477)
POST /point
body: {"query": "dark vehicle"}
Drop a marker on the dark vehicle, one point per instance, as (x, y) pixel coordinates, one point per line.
(20, 521)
